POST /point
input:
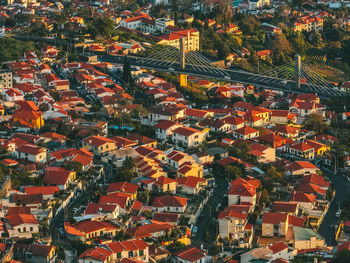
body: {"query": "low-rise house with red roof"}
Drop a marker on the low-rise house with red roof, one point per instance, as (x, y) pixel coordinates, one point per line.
(110, 211)
(151, 230)
(142, 140)
(168, 203)
(188, 137)
(171, 113)
(246, 133)
(31, 153)
(59, 176)
(304, 108)
(234, 122)
(263, 153)
(169, 218)
(302, 149)
(21, 226)
(47, 192)
(129, 249)
(99, 145)
(164, 184)
(281, 116)
(273, 140)
(88, 230)
(95, 255)
(12, 95)
(290, 208)
(40, 253)
(190, 184)
(196, 114)
(301, 168)
(306, 201)
(123, 187)
(164, 129)
(274, 224)
(189, 255)
(243, 191)
(286, 131)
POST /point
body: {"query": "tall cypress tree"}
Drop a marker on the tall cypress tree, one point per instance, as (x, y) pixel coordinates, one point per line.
(126, 70)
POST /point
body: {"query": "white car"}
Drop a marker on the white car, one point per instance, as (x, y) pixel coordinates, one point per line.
(227, 77)
(284, 82)
(171, 69)
(338, 213)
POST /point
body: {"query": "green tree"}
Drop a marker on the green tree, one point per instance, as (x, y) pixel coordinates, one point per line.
(127, 70)
(315, 123)
(223, 49)
(342, 256)
(233, 172)
(101, 26)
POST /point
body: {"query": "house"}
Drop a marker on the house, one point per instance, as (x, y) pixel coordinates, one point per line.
(302, 149)
(167, 203)
(169, 218)
(246, 133)
(171, 113)
(129, 249)
(190, 184)
(110, 211)
(289, 208)
(30, 119)
(142, 140)
(286, 131)
(21, 226)
(214, 125)
(196, 114)
(305, 201)
(233, 224)
(47, 192)
(189, 255)
(184, 163)
(234, 122)
(307, 238)
(40, 253)
(31, 153)
(305, 108)
(99, 145)
(87, 230)
(58, 176)
(164, 129)
(262, 54)
(319, 148)
(243, 191)
(95, 255)
(301, 168)
(190, 38)
(123, 187)
(309, 23)
(155, 230)
(281, 116)
(273, 140)
(164, 184)
(263, 153)
(274, 224)
(188, 137)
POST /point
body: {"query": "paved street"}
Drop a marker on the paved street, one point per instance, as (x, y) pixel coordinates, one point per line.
(342, 188)
(204, 222)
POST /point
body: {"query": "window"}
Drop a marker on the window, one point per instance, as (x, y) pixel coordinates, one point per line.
(130, 254)
(119, 255)
(31, 229)
(141, 253)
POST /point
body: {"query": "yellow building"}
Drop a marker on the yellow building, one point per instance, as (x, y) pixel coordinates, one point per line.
(191, 39)
(2, 110)
(99, 145)
(319, 148)
(30, 119)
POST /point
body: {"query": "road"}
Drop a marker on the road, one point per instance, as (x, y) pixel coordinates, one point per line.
(342, 188)
(225, 75)
(205, 220)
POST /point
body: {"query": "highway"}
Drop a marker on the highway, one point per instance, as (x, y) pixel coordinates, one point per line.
(225, 75)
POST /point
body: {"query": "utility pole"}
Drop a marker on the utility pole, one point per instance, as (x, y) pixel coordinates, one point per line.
(298, 69)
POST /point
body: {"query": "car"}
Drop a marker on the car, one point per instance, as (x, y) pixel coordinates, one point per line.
(227, 77)
(338, 213)
(284, 82)
(171, 69)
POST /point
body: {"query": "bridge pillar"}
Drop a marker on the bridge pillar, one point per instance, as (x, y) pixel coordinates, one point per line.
(298, 69)
(183, 80)
(182, 53)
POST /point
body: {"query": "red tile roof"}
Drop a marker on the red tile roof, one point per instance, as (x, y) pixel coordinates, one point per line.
(171, 201)
(16, 220)
(97, 253)
(185, 131)
(302, 197)
(122, 187)
(44, 190)
(278, 247)
(274, 218)
(192, 254)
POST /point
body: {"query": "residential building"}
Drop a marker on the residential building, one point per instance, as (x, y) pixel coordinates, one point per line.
(189, 255)
(167, 203)
(274, 224)
(40, 254)
(22, 226)
(5, 79)
(188, 137)
(99, 145)
(31, 153)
